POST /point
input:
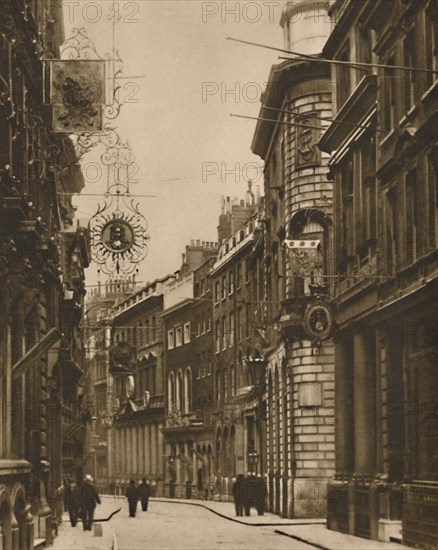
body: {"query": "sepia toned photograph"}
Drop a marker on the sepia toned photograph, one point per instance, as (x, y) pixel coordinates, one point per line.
(218, 275)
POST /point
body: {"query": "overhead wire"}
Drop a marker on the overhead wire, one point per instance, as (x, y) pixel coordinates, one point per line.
(319, 59)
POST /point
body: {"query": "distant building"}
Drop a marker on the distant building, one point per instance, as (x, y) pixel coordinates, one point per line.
(136, 395)
(236, 426)
(187, 318)
(384, 165)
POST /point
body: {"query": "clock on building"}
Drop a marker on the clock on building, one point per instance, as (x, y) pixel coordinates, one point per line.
(318, 320)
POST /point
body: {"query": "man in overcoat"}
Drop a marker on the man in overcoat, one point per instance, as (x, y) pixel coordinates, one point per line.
(144, 492)
(132, 496)
(88, 498)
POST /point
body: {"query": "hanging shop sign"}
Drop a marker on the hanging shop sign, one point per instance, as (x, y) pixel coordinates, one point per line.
(77, 95)
(117, 236)
(122, 358)
(304, 256)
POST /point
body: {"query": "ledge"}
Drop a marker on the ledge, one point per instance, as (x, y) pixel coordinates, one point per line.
(13, 467)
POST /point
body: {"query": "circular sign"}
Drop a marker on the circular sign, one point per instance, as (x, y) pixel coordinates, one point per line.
(318, 321)
(117, 236)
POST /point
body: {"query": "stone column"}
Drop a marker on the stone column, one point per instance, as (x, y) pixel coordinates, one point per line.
(147, 448)
(364, 402)
(154, 448)
(160, 450)
(134, 437)
(344, 405)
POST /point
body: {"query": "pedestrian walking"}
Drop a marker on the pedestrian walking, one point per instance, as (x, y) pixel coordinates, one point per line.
(237, 490)
(144, 492)
(71, 502)
(261, 495)
(250, 493)
(88, 498)
(132, 496)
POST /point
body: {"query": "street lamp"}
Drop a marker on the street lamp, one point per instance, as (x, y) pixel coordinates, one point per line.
(253, 460)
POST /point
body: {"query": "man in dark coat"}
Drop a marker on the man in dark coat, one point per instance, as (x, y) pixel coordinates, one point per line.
(250, 493)
(132, 496)
(88, 498)
(71, 502)
(144, 492)
(237, 491)
(261, 495)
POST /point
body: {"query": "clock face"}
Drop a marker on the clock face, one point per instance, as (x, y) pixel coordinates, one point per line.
(319, 321)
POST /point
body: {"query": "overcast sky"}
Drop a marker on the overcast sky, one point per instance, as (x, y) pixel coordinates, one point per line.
(178, 118)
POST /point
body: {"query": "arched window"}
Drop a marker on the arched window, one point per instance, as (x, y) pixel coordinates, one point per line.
(188, 390)
(171, 391)
(179, 391)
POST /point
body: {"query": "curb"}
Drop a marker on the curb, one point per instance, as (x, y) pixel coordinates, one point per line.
(300, 539)
(201, 505)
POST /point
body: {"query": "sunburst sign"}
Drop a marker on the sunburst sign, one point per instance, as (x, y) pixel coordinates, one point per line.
(118, 238)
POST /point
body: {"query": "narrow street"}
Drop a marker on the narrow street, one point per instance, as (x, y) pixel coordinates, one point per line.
(178, 526)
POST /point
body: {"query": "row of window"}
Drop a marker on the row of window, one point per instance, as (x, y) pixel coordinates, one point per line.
(144, 333)
(179, 391)
(408, 213)
(225, 286)
(178, 336)
(402, 89)
(231, 326)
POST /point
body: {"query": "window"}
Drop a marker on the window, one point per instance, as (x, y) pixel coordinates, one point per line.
(238, 275)
(412, 241)
(239, 325)
(204, 323)
(186, 333)
(187, 390)
(432, 199)
(365, 45)
(247, 270)
(224, 333)
(218, 386)
(146, 331)
(179, 392)
(202, 287)
(247, 318)
(231, 329)
(218, 337)
(389, 96)
(409, 77)
(170, 339)
(391, 230)
(343, 77)
(171, 391)
(178, 336)
(431, 35)
(224, 288)
(154, 328)
(217, 291)
(230, 282)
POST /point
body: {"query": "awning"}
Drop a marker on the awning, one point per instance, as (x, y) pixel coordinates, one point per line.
(35, 353)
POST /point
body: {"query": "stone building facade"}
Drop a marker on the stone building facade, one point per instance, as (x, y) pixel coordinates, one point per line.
(42, 262)
(137, 397)
(384, 165)
(298, 355)
(188, 354)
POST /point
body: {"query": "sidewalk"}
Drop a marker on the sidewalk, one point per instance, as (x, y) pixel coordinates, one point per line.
(101, 537)
(311, 531)
(227, 510)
